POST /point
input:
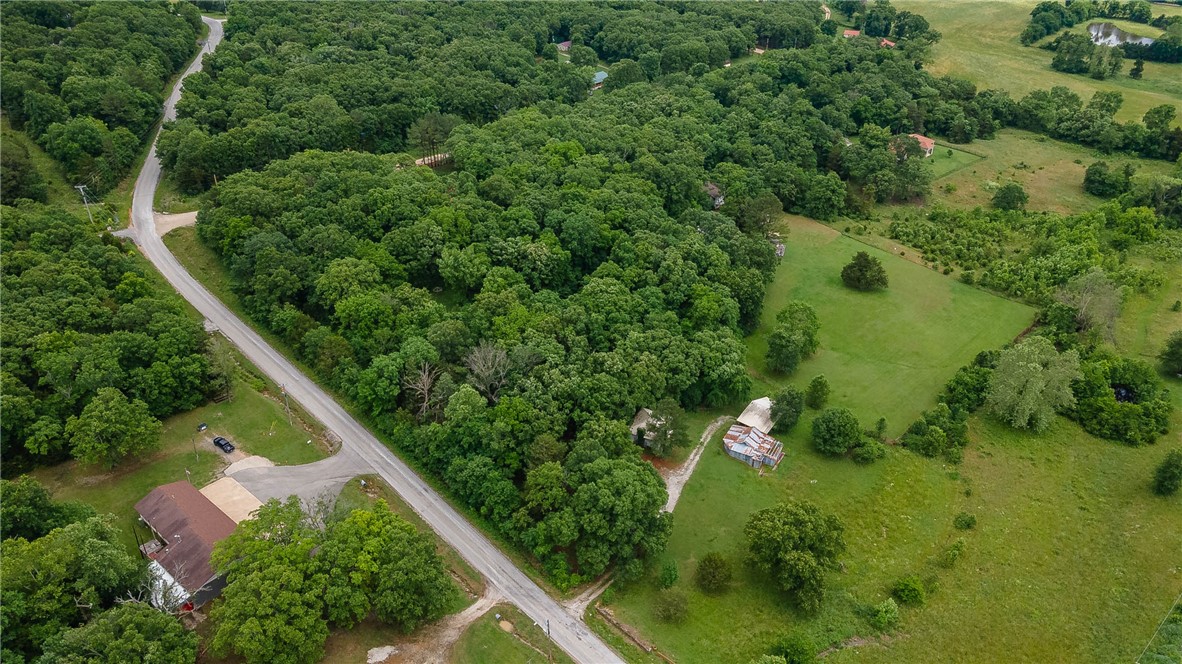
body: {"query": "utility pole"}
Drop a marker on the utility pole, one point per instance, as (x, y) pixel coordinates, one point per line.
(286, 405)
(82, 190)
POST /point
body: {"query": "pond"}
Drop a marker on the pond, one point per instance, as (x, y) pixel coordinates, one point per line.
(1110, 35)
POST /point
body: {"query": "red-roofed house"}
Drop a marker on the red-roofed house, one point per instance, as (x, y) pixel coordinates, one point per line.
(886, 43)
(850, 33)
(564, 46)
(926, 144)
(186, 525)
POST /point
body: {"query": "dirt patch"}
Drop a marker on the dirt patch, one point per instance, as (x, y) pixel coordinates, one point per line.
(506, 625)
(432, 644)
(379, 655)
(169, 222)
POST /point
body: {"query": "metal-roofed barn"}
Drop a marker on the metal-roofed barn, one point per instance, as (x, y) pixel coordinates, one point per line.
(748, 440)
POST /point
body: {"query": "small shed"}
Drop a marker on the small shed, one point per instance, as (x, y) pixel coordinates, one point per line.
(752, 446)
(598, 79)
(187, 525)
(715, 193)
(758, 414)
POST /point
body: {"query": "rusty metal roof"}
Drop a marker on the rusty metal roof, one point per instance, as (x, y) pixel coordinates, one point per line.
(190, 524)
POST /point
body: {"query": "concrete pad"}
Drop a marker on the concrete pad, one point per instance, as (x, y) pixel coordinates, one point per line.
(248, 462)
(310, 482)
(232, 498)
(168, 222)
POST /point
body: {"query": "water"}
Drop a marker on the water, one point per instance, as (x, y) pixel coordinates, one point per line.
(1110, 35)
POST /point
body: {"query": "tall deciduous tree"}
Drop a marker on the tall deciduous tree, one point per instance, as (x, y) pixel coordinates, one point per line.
(836, 431)
(1171, 355)
(787, 407)
(794, 543)
(1096, 300)
(27, 511)
(112, 428)
(130, 632)
(795, 337)
(1032, 381)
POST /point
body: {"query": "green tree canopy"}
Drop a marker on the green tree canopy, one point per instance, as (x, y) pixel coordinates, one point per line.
(112, 428)
(794, 338)
(128, 633)
(794, 543)
(27, 511)
(836, 431)
(864, 273)
(1032, 381)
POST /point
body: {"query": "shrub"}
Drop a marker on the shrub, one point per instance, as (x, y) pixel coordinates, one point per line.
(671, 606)
(1171, 355)
(1177, 306)
(1167, 479)
(795, 648)
(817, 393)
(714, 573)
(953, 553)
(836, 431)
(787, 406)
(869, 451)
(668, 575)
(886, 615)
(909, 590)
(1010, 196)
(964, 521)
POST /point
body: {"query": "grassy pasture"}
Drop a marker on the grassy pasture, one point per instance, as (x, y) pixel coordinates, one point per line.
(980, 43)
(1073, 559)
(886, 353)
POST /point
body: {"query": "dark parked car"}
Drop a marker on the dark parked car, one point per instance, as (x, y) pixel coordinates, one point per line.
(223, 444)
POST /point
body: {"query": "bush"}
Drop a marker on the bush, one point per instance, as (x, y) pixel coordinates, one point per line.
(671, 606)
(964, 521)
(836, 431)
(817, 393)
(909, 590)
(1121, 399)
(953, 553)
(795, 648)
(714, 573)
(1167, 479)
(1171, 355)
(1010, 196)
(795, 337)
(668, 575)
(886, 615)
(869, 451)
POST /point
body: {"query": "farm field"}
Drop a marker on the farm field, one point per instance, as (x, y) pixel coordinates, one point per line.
(887, 353)
(980, 43)
(1068, 536)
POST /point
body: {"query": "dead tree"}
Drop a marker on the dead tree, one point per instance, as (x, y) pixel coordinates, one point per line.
(488, 368)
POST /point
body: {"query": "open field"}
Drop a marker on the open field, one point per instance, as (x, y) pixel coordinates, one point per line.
(1050, 171)
(487, 642)
(1069, 537)
(946, 160)
(886, 353)
(255, 423)
(980, 43)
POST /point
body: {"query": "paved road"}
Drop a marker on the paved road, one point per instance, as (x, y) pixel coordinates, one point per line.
(569, 633)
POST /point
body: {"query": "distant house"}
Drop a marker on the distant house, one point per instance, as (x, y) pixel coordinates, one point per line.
(598, 79)
(715, 194)
(564, 46)
(186, 525)
(726, 64)
(752, 446)
(644, 421)
(886, 43)
(926, 144)
(758, 51)
(848, 34)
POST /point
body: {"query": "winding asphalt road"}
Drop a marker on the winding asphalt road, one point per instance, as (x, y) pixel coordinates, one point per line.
(568, 633)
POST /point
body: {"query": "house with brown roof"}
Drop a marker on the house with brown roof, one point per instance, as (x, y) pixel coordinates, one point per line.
(564, 46)
(926, 144)
(886, 43)
(848, 34)
(186, 525)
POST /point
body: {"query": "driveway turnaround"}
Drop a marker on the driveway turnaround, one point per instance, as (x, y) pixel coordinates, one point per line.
(568, 632)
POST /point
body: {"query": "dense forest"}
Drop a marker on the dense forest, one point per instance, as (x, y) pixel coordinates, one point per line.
(86, 79)
(93, 352)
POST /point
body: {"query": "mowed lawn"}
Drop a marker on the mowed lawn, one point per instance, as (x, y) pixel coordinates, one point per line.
(980, 42)
(488, 642)
(887, 353)
(1072, 560)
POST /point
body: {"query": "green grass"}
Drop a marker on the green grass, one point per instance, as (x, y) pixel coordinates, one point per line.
(255, 423)
(59, 191)
(1050, 171)
(944, 164)
(485, 642)
(171, 200)
(980, 43)
(886, 353)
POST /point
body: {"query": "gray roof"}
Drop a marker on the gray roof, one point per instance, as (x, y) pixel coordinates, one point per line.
(599, 77)
(758, 414)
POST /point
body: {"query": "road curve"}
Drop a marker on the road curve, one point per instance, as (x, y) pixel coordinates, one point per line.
(568, 633)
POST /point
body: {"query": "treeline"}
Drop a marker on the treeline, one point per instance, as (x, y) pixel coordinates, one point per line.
(86, 79)
(1050, 17)
(334, 76)
(92, 353)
